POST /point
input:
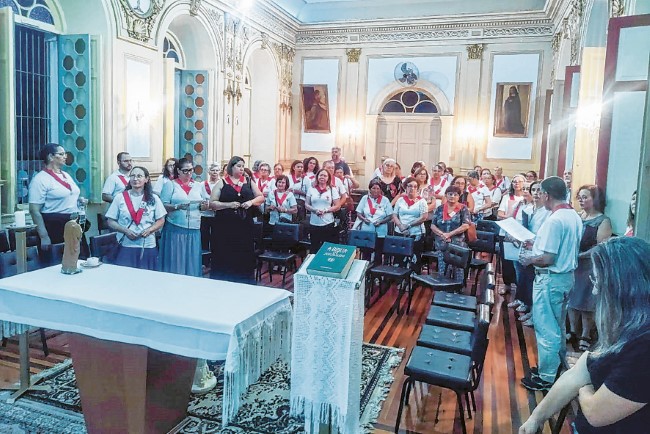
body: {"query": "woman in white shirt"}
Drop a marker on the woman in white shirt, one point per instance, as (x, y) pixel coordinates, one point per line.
(509, 207)
(374, 212)
(479, 199)
(166, 176)
(280, 203)
(136, 215)
(180, 243)
(409, 215)
(489, 180)
(322, 202)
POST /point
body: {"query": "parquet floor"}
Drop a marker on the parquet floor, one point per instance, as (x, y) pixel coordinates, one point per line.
(503, 405)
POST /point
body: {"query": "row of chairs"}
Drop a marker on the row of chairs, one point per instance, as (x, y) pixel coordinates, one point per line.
(450, 351)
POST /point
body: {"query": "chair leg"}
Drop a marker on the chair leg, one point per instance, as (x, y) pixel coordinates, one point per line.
(469, 407)
(46, 350)
(475, 285)
(402, 403)
(284, 274)
(462, 412)
(270, 271)
(4, 342)
(410, 289)
(473, 400)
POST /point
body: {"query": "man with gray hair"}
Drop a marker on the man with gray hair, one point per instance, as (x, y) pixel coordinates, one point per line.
(339, 163)
(555, 257)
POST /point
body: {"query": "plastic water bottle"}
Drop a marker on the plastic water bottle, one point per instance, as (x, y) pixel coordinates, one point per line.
(81, 205)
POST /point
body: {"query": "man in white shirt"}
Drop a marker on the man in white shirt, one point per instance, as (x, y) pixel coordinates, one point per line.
(118, 180)
(503, 182)
(555, 257)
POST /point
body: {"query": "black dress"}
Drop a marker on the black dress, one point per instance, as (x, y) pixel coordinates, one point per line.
(232, 245)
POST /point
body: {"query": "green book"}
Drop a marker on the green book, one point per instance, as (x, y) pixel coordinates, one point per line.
(332, 260)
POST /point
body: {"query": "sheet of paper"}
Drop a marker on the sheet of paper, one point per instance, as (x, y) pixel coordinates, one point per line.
(515, 229)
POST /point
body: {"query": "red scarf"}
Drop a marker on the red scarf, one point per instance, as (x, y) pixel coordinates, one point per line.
(494, 187)
(561, 206)
(123, 179)
(410, 202)
(445, 211)
(237, 187)
(207, 187)
(471, 189)
(186, 187)
(312, 176)
(294, 179)
(319, 189)
(371, 207)
(262, 185)
(135, 216)
(280, 200)
(442, 184)
(59, 180)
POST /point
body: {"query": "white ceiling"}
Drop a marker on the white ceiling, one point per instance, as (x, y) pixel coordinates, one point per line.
(332, 11)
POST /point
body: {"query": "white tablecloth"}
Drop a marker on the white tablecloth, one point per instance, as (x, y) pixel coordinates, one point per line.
(326, 348)
(248, 326)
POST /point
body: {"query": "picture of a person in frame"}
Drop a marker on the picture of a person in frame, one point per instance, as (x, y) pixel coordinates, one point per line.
(316, 109)
(511, 109)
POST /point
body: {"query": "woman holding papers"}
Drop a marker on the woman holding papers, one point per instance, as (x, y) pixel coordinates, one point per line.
(180, 244)
(509, 207)
(374, 212)
(136, 214)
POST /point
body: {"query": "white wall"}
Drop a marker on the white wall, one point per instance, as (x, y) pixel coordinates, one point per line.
(264, 107)
(513, 68)
(320, 71)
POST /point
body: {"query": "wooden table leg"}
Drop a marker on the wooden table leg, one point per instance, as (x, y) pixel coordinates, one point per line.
(130, 388)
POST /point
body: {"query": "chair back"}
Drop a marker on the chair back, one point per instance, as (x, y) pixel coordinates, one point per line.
(9, 262)
(103, 245)
(32, 238)
(57, 253)
(488, 226)
(485, 242)
(398, 250)
(285, 236)
(102, 225)
(362, 239)
(258, 234)
(457, 256)
(4, 242)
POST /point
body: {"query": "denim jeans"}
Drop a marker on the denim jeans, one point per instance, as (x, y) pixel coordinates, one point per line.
(550, 297)
(525, 278)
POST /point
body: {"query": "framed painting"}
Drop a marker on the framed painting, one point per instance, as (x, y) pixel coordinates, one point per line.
(512, 109)
(315, 108)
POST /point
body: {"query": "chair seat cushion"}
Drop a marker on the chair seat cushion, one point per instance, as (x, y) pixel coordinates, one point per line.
(451, 318)
(441, 338)
(431, 254)
(269, 255)
(478, 263)
(437, 281)
(441, 368)
(455, 301)
(390, 271)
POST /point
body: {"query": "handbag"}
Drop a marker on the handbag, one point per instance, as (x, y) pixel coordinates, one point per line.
(471, 233)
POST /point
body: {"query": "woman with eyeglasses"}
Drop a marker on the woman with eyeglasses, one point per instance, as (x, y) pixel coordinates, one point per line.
(374, 212)
(180, 243)
(461, 182)
(166, 176)
(509, 207)
(597, 228)
(612, 382)
(233, 199)
(136, 215)
(389, 182)
(449, 225)
(53, 199)
(409, 215)
(322, 202)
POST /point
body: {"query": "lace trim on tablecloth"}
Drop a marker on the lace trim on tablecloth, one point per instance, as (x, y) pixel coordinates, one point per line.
(9, 329)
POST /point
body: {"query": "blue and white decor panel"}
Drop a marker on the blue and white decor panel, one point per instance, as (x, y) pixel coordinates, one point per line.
(192, 119)
(75, 107)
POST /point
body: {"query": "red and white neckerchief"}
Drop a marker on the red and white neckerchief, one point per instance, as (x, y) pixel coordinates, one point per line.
(333, 181)
(410, 202)
(310, 176)
(186, 187)
(471, 189)
(135, 216)
(320, 191)
(494, 187)
(279, 200)
(439, 189)
(514, 214)
(207, 187)
(263, 184)
(123, 179)
(294, 179)
(446, 215)
(499, 182)
(561, 206)
(59, 180)
(236, 186)
(371, 207)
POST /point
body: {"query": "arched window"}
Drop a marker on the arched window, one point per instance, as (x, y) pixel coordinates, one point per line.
(170, 51)
(410, 101)
(33, 9)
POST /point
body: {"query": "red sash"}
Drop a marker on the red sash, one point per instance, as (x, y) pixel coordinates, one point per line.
(135, 216)
(280, 200)
(410, 202)
(237, 186)
(445, 210)
(514, 214)
(442, 184)
(294, 179)
(262, 185)
(123, 179)
(186, 187)
(561, 206)
(371, 207)
(207, 187)
(59, 180)
(499, 182)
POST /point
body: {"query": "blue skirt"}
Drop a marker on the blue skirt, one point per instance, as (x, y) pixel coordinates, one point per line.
(137, 257)
(180, 250)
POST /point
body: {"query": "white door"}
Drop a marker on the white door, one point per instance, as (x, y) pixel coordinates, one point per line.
(409, 138)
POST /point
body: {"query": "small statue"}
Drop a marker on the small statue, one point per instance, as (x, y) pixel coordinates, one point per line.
(72, 233)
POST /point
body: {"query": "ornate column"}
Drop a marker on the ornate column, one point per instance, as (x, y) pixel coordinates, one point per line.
(350, 137)
(286, 55)
(469, 130)
(235, 36)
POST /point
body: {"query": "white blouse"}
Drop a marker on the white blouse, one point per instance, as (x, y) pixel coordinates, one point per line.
(383, 210)
(119, 212)
(321, 202)
(408, 214)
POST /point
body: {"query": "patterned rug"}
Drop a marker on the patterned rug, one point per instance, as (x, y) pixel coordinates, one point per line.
(265, 408)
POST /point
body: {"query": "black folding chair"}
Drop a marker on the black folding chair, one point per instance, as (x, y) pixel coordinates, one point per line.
(398, 254)
(103, 246)
(284, 238)
(365, 242)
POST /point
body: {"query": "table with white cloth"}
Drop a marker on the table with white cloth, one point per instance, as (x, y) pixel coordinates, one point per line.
(326, 348)
(151, 319)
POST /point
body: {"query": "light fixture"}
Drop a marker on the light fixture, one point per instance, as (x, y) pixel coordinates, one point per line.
(588, 116)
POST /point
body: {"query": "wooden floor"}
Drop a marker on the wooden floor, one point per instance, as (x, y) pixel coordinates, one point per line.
(502, 403)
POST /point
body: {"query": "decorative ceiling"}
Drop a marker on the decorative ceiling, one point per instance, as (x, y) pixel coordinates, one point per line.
(339, 11)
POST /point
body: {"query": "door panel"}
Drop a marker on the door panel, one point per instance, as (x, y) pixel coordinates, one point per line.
(409, 138)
